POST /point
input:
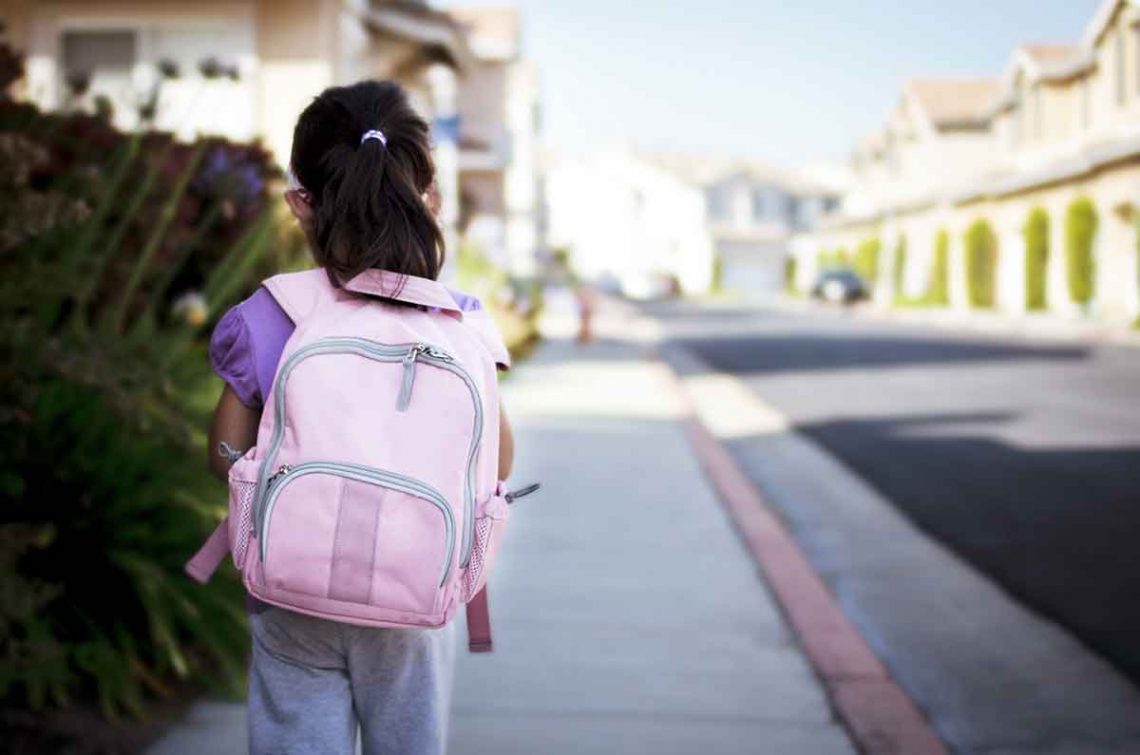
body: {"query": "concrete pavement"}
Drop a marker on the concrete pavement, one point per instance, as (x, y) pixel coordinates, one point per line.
(628, 615)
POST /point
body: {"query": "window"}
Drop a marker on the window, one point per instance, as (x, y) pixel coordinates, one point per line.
(759, 204)
(1121, 86)
(1038, 115)
(1086, 102)
(97, 69)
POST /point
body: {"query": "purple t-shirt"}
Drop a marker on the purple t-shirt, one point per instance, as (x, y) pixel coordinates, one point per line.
(247, 343)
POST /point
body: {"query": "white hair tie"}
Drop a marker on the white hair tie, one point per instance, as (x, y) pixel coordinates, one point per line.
(374, 134)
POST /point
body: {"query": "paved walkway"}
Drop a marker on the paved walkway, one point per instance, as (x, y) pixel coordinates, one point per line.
(628, 615)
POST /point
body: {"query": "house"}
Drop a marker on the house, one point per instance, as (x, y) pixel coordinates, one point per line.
(1057, 132)
(500, 189)
(624, 218)
(752, 210)
(241, 68)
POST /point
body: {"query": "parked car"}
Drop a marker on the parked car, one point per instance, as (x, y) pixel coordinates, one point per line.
(840, 286)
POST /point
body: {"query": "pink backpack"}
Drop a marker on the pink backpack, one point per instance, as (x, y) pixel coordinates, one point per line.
(372, 495)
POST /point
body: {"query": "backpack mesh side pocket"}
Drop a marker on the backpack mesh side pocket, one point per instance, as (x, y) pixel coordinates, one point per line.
(243, 489)
(488, 533)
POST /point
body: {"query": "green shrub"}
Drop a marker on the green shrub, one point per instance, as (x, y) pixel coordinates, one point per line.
(899, 269)
(1036, 234)
(1080, 231)
(790, 265)
(938, 292)
(105, 394)
(981, 264)
(867, 260)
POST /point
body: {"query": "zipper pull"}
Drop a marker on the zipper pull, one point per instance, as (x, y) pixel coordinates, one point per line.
(522, 492)
(409, 380)
(283, 470)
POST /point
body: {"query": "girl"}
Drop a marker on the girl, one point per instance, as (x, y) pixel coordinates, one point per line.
(365, 200)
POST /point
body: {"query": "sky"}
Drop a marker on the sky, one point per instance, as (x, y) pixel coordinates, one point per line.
(785, 81)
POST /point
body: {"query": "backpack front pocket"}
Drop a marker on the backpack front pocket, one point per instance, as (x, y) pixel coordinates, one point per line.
(358, 535)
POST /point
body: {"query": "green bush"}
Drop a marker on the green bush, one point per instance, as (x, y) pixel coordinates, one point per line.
(790, 274)
(1080, 232)
(938, 292)
(899, 269)
(981, 264)
(1036, 234)
(117, 251)
(867, 260)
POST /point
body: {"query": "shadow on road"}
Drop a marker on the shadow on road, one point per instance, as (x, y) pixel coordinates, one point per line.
(768, 354)
(1057, 527)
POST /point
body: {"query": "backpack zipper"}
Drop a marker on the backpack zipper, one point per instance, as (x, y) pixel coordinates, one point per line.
(379, 477)
(385, 353)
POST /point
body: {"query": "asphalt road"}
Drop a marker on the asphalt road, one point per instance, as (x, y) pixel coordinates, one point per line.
(1022, 457)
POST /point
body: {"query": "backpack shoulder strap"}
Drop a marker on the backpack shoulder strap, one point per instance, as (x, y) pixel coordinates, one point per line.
(301, 293)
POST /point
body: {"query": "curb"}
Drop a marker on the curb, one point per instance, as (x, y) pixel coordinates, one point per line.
(877, 713)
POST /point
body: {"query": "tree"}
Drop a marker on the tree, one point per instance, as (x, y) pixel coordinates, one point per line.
(1080, 231)
(1036, 234)
(981, 264)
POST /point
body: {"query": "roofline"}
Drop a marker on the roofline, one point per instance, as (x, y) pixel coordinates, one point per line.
(1099, 22)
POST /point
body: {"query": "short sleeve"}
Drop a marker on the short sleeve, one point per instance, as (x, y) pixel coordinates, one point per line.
(231, 357)
(484, 326)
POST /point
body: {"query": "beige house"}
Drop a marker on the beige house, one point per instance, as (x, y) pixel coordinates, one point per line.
(1062, 122)
(237, 68)
(500, 187)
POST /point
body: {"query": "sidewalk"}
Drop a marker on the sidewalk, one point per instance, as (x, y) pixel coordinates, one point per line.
(628, 615)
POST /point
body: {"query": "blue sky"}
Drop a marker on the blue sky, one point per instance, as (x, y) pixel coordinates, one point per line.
(774, 79)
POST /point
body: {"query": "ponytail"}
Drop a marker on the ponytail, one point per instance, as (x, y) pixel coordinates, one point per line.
(368, 194)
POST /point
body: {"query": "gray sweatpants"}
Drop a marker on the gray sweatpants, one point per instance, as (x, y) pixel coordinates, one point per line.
(313, 682)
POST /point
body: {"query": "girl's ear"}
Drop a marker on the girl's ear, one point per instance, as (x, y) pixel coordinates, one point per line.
(300, 205)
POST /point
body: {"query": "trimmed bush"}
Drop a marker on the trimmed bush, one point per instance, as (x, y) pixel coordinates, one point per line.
(790, 266)
(981, 264)
(1036, 234)
(867, 260)
(938, 293)
(899, 271)
(1080, 231)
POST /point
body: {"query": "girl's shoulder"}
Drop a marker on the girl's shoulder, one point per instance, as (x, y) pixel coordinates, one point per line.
(247, 343)
(480, 320)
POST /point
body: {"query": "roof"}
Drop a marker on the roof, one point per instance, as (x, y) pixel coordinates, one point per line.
(706, 170)
(1055, 61)
(436, 32)
(492, 33)
(1102, 18)
(955, 101)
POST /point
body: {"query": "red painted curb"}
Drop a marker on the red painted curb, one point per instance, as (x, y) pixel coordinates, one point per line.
(877, 713)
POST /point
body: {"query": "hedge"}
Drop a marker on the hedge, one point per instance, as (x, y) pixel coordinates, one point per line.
(899, 271)
(1080, 231)
(981, 264)
(1036, 234)
(867, 260)
(938, 292)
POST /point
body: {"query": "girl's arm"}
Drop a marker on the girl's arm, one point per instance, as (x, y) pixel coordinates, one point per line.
(235, 424)
(506, 445)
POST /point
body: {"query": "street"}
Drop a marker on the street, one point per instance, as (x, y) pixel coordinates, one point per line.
(1021, 457)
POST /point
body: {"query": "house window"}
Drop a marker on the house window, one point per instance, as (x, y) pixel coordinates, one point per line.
(1038, 116)
(1086, 102)
(759, 204)
(1121, 85)
(97, 70)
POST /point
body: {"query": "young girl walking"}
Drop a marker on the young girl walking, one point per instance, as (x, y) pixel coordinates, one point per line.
(346, 658)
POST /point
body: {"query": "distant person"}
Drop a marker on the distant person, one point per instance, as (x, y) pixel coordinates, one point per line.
(363, 194)
(586, 298)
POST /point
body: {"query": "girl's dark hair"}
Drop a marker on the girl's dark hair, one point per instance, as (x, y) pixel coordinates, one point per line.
(368, 197)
